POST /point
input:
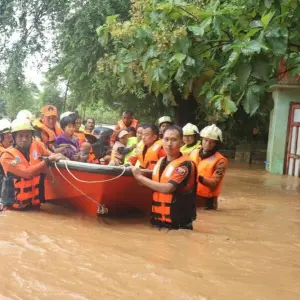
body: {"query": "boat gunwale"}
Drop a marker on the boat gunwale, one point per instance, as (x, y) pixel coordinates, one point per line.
(94, 168)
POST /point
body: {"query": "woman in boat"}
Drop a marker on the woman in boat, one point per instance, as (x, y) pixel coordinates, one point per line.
(119, 149)
(24, 166)
(174, 185)
(67, 142)
(79, 133)
(191, 139)
(211, 167)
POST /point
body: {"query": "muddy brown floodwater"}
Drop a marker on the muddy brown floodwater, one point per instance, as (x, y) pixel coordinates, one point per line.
(249, 249)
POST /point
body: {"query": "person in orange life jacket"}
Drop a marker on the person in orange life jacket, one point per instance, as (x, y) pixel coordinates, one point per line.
(163, 123)
(47, 128)
(151, 150)
(211, 167)
(174, 185)
(6, 139)
(126, 122)
(24, 165)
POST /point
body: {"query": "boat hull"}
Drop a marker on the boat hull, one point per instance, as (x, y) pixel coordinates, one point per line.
(119, 195)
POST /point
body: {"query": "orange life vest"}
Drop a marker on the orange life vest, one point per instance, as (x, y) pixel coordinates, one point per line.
(2, 148)
(26, 191)
(133, 124)
(178, 207)
(81, 137)
(149, 159)
(48, 135)
(206, 168)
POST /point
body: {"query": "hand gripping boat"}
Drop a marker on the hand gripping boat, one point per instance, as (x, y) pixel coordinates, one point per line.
(96, 189)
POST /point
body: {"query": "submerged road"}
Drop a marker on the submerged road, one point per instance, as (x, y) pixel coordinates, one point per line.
(248, 250)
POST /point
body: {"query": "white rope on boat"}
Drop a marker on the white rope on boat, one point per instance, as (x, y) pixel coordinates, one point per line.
(102, 209)
(95, 181)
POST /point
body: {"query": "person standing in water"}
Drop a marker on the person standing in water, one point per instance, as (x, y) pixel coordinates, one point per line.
(6, 139)
(163, 123)
(47, 127)
(190, 139)
(24, 166)
(211, 167)
(174, 185)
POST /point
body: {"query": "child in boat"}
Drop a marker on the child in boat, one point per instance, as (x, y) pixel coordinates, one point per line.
(131, 144)
(85, 150)
(67, 142)
(119, 148)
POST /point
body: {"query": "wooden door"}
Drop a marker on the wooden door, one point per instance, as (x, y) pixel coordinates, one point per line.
(293, 145)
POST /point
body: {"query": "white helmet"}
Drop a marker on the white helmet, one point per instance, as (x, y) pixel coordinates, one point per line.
(190, 129)
(24, 114)
(21, 124)
(5, 126)
(212, 132)
(66, 114)
(164, 119)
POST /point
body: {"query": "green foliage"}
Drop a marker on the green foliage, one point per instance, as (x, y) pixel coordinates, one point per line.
(169, 45)
(51, 94)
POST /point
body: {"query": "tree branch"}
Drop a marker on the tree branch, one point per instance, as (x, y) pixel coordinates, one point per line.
(193, 16)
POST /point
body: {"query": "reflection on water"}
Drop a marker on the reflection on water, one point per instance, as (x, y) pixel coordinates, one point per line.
(249, 249)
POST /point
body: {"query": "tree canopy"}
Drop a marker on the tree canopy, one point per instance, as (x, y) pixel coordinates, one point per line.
(226, 52)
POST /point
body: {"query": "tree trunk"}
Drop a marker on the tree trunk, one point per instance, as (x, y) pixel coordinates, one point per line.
(186, 110)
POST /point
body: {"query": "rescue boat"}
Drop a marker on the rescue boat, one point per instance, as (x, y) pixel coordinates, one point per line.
(96, 189)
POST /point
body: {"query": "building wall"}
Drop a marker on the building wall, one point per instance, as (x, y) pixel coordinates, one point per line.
(283, 95)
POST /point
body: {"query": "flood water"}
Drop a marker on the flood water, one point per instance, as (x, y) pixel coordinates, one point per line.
(249, 249)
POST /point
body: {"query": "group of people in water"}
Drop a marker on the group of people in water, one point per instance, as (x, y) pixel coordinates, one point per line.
(181, 165)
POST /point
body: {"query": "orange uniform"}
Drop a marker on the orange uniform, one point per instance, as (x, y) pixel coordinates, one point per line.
(177, 208)
(81, 137)
(213, 169)
(24, 176)
(45, 134)
(147, 157)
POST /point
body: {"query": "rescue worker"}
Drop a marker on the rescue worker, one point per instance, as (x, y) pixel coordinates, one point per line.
(211, 167)
(126, 122)
(174, 185)
(24, 166)
(163, 123)
(6, 139)
(25, 114)
(190, 139)
(47, 128)
(151, 149)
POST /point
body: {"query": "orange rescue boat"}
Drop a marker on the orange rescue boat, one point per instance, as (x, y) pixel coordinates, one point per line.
(96, 189)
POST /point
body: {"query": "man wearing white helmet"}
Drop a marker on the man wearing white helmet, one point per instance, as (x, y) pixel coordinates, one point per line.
(6, 139)
(211, 167)
(163, 123)
(24, 166)
(190, 138)
(25, 114)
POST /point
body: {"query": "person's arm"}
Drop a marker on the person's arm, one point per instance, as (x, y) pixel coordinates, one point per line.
(11, 166)
(165, 188)
(217, 176)
(176, 178)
